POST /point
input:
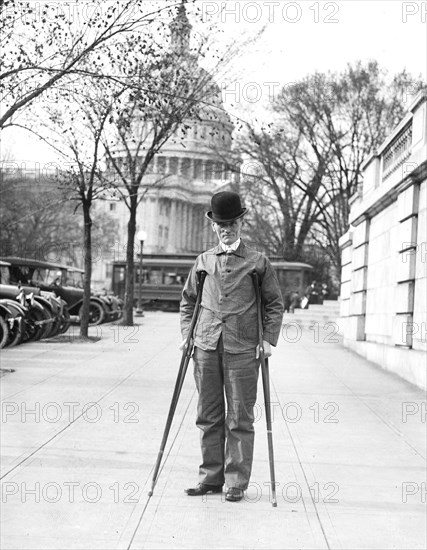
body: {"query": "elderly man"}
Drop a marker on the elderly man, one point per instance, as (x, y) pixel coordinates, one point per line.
(226, 350)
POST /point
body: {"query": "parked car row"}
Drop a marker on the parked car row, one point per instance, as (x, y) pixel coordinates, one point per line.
(40, 299)
(28, 314)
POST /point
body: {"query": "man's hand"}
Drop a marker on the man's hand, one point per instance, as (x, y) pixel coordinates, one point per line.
(182, 345)
(267, 349)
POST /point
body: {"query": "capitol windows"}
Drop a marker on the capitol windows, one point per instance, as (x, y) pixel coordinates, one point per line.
(228, 171)
(163, 236)
(186, 168)
(218, 170)
(210, 170)
(173, 165)
(164, 210)
(198, 169)
(150, 167)
(161, 165)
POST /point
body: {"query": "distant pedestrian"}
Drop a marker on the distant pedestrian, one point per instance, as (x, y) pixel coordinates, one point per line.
(312, 294)
(325, 291)
(294, 301)
(319, 293)
(287, 302)
(226, 352)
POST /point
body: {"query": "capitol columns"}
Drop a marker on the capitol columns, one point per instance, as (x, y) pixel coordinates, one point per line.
(195, 220)
(179, 169)
(173, 226)
(186, 226)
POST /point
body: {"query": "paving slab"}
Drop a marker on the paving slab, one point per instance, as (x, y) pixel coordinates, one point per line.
(82, 422)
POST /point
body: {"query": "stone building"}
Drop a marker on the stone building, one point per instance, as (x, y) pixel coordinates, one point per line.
(383, 282)
(185, 173)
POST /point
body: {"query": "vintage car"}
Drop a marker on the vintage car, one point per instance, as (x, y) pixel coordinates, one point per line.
(113, 304)
(67, 283)
(27, 313)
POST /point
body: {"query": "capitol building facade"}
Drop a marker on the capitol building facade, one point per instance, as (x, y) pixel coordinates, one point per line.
(179, 184)
(180, 180)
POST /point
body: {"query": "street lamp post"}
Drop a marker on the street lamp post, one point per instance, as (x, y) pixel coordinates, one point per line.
(141, 236)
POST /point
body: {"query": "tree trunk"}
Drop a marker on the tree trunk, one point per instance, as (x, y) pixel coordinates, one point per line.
(87, 243)
(130, 282)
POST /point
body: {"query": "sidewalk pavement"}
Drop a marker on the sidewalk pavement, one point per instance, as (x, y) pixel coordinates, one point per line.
(82, 424)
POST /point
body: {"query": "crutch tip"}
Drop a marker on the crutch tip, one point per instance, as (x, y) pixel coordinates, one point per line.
(274, 503)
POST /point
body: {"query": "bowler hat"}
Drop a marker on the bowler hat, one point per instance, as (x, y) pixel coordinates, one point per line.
(226, 207)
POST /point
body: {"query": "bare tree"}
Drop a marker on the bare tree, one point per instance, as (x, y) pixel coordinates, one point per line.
(310, 157)
(280, 180)
(43, 43)
(34, 215)
(134, 94)
(349, 114)
(165, 92)
(74, 129)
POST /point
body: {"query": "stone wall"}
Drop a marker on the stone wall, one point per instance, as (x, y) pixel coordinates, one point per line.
(419, 339)
(381, 275)
(383, 279)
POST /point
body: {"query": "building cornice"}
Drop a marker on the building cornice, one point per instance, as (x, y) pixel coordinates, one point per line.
(374, 206)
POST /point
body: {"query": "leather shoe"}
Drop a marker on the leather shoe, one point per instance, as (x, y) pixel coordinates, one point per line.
(203, 489)
(234, 494)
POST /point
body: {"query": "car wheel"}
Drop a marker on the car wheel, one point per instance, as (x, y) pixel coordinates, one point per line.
(47, 325)
(65, 321)
(34, 324)
(4, 332)
(15, 333)
(96, 314)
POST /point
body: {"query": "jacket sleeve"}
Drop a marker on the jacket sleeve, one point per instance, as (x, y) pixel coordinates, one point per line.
(273, 304)
(188, 301)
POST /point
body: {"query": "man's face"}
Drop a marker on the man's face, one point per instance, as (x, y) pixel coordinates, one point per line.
(228, 232)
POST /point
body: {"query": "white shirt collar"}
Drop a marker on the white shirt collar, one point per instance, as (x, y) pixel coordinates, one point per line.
(230, 247)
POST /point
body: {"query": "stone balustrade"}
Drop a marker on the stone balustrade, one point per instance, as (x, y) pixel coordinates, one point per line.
(397, 151)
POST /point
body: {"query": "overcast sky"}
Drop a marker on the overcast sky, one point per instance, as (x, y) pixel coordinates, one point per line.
(345, 31)
(300, 38)
(307, 36)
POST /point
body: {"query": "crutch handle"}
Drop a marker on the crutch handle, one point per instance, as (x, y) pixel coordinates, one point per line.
(189, 343)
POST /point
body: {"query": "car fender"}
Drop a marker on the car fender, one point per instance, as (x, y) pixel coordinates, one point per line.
(74, 310)
(5, 311)
(15, 307)
(46, 304)
(106, 303)
(101, 302)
